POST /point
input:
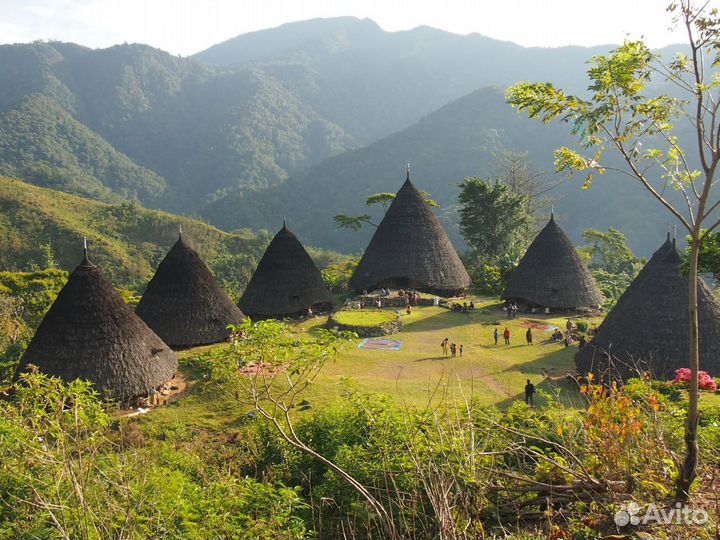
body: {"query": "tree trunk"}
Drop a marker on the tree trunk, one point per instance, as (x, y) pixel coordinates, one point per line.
(688, 470)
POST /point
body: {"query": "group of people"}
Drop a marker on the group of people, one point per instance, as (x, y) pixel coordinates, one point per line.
(412, 298)
(462, 308)
(451, 349)
(511, 309)
(506, 334)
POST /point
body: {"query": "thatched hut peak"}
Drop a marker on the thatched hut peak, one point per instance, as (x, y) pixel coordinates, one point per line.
(184, 304)
(286, 282)
(410, 249)
(552, 274)
(90, 333)
(648, 328)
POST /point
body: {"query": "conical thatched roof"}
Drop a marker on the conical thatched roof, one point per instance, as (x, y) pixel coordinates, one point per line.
(648, 328)
(552, 274)
(286, 281)
(410, 249)
(90, 333)
(184, 304)
(646, 271)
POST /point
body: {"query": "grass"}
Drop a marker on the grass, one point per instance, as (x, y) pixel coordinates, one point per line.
(365, 318)
(418, 374)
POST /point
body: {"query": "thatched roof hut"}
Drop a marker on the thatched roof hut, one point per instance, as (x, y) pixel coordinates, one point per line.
(184, 304)
(648, 328)
(286, 282)
(90, 333)
(410, 249)
(552, 274)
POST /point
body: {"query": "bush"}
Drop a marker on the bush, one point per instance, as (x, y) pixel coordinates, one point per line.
(582, 326)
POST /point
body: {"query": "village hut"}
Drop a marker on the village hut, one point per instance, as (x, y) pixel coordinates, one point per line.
(647, 331)
(90, 333)
(286, 282)
(184, 304)
(552, 274)
(410, 250)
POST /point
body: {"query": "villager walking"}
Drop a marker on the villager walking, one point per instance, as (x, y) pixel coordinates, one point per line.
(462, 349)
(529, 336)
(506, 335)
(453, 350)
(444, 346)
(496, 335)
(529, 391)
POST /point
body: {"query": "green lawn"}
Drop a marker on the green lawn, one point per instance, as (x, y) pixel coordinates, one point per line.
(365, 318)
(418, 373)
(488, 373)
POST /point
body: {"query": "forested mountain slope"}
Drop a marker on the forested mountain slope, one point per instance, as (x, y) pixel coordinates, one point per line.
(125, 240)
(461, 139)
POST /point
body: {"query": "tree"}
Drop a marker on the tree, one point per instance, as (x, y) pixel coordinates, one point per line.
(343, 221)
(493, 220)
(611, 261)
(496, 224)
(640, 130)
(709, 255)
(516, 172)
(609, 251)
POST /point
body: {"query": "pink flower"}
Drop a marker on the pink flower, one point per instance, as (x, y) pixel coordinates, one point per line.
(705, 381)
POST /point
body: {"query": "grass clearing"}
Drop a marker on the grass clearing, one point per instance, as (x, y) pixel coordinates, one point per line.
(418, 374)
(365, 318)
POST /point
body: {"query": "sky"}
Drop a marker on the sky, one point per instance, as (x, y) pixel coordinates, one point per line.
(188, 26)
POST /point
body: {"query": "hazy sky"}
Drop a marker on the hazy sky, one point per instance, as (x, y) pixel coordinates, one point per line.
(188, 26)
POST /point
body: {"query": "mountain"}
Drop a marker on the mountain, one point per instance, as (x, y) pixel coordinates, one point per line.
(457, 140)
(131, 121)
(372, 82)
(125, 240)
(262, 124)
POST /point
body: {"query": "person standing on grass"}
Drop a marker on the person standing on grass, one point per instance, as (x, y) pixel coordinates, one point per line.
(496, 335)
(506, 335)
(529, 336)
(153, 396)
(529, 391)
(453, 350)
(444, 346)
(462, 349)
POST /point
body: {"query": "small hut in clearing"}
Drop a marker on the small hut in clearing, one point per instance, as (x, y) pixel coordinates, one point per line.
(90, 333)
(286, 282)
(648, 328)
(410, 249)
(184, 304)
(552, 274)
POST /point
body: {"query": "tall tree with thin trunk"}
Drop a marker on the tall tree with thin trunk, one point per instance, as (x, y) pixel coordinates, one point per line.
(621, 116)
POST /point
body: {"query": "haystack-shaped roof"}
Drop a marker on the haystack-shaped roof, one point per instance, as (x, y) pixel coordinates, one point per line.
(90, 333)
(286, 281)
(552, 274)
(648, 329)
(410, 249)
(184, 304)
(646, 271)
